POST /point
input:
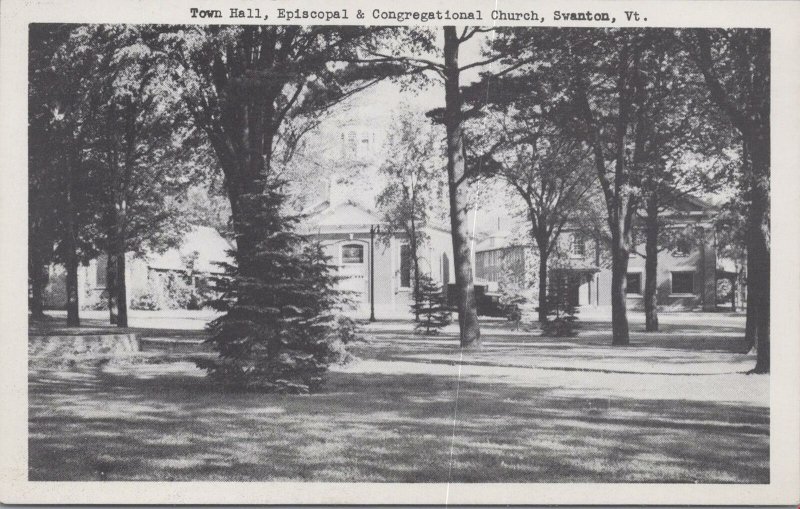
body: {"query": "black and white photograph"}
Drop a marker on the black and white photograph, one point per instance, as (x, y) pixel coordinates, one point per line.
(465, 253)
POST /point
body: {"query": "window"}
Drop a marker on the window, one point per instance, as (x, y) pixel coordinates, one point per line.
(682, 282)
(102, 267)
(633, 283)
(353, 253)
(405, 266)
(577, 246)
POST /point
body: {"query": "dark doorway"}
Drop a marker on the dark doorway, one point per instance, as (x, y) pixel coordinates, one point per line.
(574, 286)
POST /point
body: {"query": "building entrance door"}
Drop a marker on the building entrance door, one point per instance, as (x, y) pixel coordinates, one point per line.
(353, 272)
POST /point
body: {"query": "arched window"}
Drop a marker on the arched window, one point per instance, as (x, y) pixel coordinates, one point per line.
(352, 253)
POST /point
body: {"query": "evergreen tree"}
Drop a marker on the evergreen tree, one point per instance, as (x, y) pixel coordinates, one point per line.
(431, 306)
(559, 310)
(279, 332)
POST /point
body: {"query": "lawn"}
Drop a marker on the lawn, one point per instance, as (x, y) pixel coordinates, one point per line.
(674, 407)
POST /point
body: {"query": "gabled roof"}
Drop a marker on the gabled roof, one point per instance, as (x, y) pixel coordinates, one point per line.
(348, 216)
(691, 203)
(348, 212)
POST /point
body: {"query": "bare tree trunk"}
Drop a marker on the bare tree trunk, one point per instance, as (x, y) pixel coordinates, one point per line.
(71, 249)
(121, 291)
(750, 320)
(415, 256)
(543, 246)
(71, 264)
(457, 185)
(651, 266)
(39, 277)
(111, 285)
(619, 311)
(542, 289)
(120, 287)
(758, 251)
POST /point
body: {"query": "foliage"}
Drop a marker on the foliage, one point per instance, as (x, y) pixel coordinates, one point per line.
(735, 65)
(516, 286)
(512, 300)
(109, 136)
(95, 301)
(724, 290)
(543, 164)
(279, 327)
(145, 300)
(560, 312)
(730, 225)
(431, 306)
(62, 107)
(414, 186)
(167, 291)
(205, 204)
(634, 100)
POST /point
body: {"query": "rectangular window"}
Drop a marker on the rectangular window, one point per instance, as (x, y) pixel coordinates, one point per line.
(405, 266)
(633, 283)
(577, 247)
(102, 267)
(682, 282)
(353, 253)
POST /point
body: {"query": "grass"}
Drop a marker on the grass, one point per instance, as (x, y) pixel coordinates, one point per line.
(670, 409)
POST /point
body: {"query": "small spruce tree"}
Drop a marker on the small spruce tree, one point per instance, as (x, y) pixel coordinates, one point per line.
(430, 304)
(279, 332)
(560, 312)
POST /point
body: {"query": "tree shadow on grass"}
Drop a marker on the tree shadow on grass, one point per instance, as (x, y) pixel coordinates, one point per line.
(382, 428)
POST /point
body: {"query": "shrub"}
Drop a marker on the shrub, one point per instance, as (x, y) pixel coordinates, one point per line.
(95, 301)
(165, 291)
(144, 300)
(724, 290)
(512, 302)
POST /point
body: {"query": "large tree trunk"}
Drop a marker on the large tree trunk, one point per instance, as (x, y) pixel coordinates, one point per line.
(71, 264)
(750, 321)
(543, 255)
(121, 291)
(71, 249)
(242, 216)
(750, 113)
(758, 251)
(415, 257)
(111, 285)
(651, 266)
(459, 199)
(120, 287)
(619, 271)
(39, 277)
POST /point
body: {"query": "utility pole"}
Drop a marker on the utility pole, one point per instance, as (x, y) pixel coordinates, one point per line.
(372, 231)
